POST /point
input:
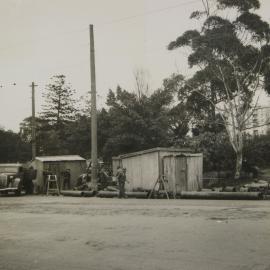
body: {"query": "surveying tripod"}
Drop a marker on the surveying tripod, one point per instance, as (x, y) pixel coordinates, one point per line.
(162, 183)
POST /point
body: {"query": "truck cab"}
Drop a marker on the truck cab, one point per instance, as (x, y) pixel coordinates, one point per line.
(11, 178)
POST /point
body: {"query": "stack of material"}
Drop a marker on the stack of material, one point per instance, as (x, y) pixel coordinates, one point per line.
(72, 193)
(78, 193)
(107, 194)
(88, 193)
(131, 194)
(259, 186)
(221, 195)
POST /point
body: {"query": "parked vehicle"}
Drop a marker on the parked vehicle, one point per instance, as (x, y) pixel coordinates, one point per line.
(11, 178)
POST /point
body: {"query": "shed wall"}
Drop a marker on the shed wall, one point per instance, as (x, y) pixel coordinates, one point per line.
(194, 172)
(169, 166)
(181, 174)
(142, 170)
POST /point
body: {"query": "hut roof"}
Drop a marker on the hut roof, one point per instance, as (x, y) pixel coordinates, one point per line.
(157, 149)
(185, 155)
(60, 158)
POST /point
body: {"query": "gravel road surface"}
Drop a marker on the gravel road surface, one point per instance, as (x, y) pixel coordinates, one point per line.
(55, 233)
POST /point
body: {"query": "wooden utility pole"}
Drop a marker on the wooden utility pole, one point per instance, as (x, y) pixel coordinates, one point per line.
(33, 122)
(93, 110)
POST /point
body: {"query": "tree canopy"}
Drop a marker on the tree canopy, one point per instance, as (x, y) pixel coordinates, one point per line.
(231, 54)
(12, 148)
(137, 124)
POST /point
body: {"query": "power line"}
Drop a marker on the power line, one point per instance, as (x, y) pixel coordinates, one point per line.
(81, 30)
(147, 13)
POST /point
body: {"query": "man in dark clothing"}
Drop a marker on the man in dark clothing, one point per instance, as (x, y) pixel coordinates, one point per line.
(29, 176)
(121, 178)
(83, 182)
(66, 180)
(103, 178)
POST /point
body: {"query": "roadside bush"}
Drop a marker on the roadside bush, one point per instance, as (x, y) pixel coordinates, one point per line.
(257, 150)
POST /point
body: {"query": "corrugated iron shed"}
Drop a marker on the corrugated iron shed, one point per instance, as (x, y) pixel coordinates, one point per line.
(145, 167)
(57, 165)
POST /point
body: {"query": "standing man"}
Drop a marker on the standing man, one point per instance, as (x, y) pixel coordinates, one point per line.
(66, 180)
(121, 178)
(29, 175)
(103, 178)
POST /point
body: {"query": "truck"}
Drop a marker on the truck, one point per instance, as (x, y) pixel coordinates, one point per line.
(10, 179)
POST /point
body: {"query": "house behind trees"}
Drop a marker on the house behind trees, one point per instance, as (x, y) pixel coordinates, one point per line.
(259, 123)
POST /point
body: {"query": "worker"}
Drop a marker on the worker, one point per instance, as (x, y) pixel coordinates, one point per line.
(29, 176)
(121, 179)
(66, 180)
(83, 182)
(103, 178)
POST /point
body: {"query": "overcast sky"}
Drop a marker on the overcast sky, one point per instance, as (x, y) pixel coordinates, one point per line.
(42, 38)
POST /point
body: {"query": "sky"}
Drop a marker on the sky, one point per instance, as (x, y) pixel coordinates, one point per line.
(43, 38)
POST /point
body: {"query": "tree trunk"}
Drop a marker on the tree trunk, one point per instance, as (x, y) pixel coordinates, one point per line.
(236, 140)
(238, 165)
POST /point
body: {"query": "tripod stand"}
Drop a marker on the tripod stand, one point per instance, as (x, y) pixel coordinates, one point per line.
(162, 183)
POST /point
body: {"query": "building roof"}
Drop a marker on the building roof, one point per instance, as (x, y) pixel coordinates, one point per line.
(185, 155)
(157, 149)
(60, 158)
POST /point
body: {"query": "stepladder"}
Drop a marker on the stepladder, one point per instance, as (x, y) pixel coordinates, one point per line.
(162, 186)
(52, 186)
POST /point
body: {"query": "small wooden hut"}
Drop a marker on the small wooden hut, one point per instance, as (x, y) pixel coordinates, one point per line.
(145, 167)
(57, 165)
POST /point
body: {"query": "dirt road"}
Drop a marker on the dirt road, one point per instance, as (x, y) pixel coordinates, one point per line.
(58, 233)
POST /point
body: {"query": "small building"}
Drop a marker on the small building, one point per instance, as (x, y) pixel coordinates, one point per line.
(145, 167)
(57, 165)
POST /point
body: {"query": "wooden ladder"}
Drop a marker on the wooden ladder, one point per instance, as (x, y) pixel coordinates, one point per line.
(51, 182)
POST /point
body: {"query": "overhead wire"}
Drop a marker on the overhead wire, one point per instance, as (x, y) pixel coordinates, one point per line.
(148, 13)
(80, 30)
(85, 29)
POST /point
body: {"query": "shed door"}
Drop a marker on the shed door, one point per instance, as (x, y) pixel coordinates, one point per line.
(181, 174)
(169, 172)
